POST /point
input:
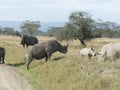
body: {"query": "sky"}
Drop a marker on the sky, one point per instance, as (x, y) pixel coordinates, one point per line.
(58, 10)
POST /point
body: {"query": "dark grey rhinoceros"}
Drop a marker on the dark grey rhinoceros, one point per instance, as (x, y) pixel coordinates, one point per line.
(28, 40)
(45, 49)
(2, 55)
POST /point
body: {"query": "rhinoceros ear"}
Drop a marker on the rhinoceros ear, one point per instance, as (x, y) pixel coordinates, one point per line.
(92, 49)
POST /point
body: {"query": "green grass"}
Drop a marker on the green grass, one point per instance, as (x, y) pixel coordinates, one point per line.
(63, 72)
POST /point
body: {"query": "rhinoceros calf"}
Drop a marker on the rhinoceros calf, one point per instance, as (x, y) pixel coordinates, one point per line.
(28, 40)
(87, 52)
(2, 55)
(45, 49)
(110, 51)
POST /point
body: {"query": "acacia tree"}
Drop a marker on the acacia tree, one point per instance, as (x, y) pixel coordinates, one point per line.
(30, 26)
(80, 26)
(106, 29)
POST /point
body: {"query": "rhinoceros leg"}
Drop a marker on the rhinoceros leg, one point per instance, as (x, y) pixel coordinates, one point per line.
(89, 56)
(3, 59)
(49, 55)
(27, 45)
(0, 60)
(46, 57)
(27, 63)
(23, 45)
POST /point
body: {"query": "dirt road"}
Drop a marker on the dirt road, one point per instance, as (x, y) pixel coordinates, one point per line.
(10, 79)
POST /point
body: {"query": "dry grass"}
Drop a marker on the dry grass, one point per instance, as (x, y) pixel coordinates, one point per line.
(65, 72)
(45, 38)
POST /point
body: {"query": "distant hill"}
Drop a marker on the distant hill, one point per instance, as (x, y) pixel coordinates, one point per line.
(13, 24)
(44, 25)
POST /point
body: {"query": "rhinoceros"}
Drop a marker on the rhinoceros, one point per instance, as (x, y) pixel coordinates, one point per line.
(28, 40)
(45, 49)
(87, 52)
(110, 51)
(2, 55)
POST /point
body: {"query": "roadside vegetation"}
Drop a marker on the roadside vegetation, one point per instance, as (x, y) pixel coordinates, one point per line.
(65, 72)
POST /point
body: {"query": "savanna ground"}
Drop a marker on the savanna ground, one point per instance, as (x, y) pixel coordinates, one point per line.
(65, 71)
